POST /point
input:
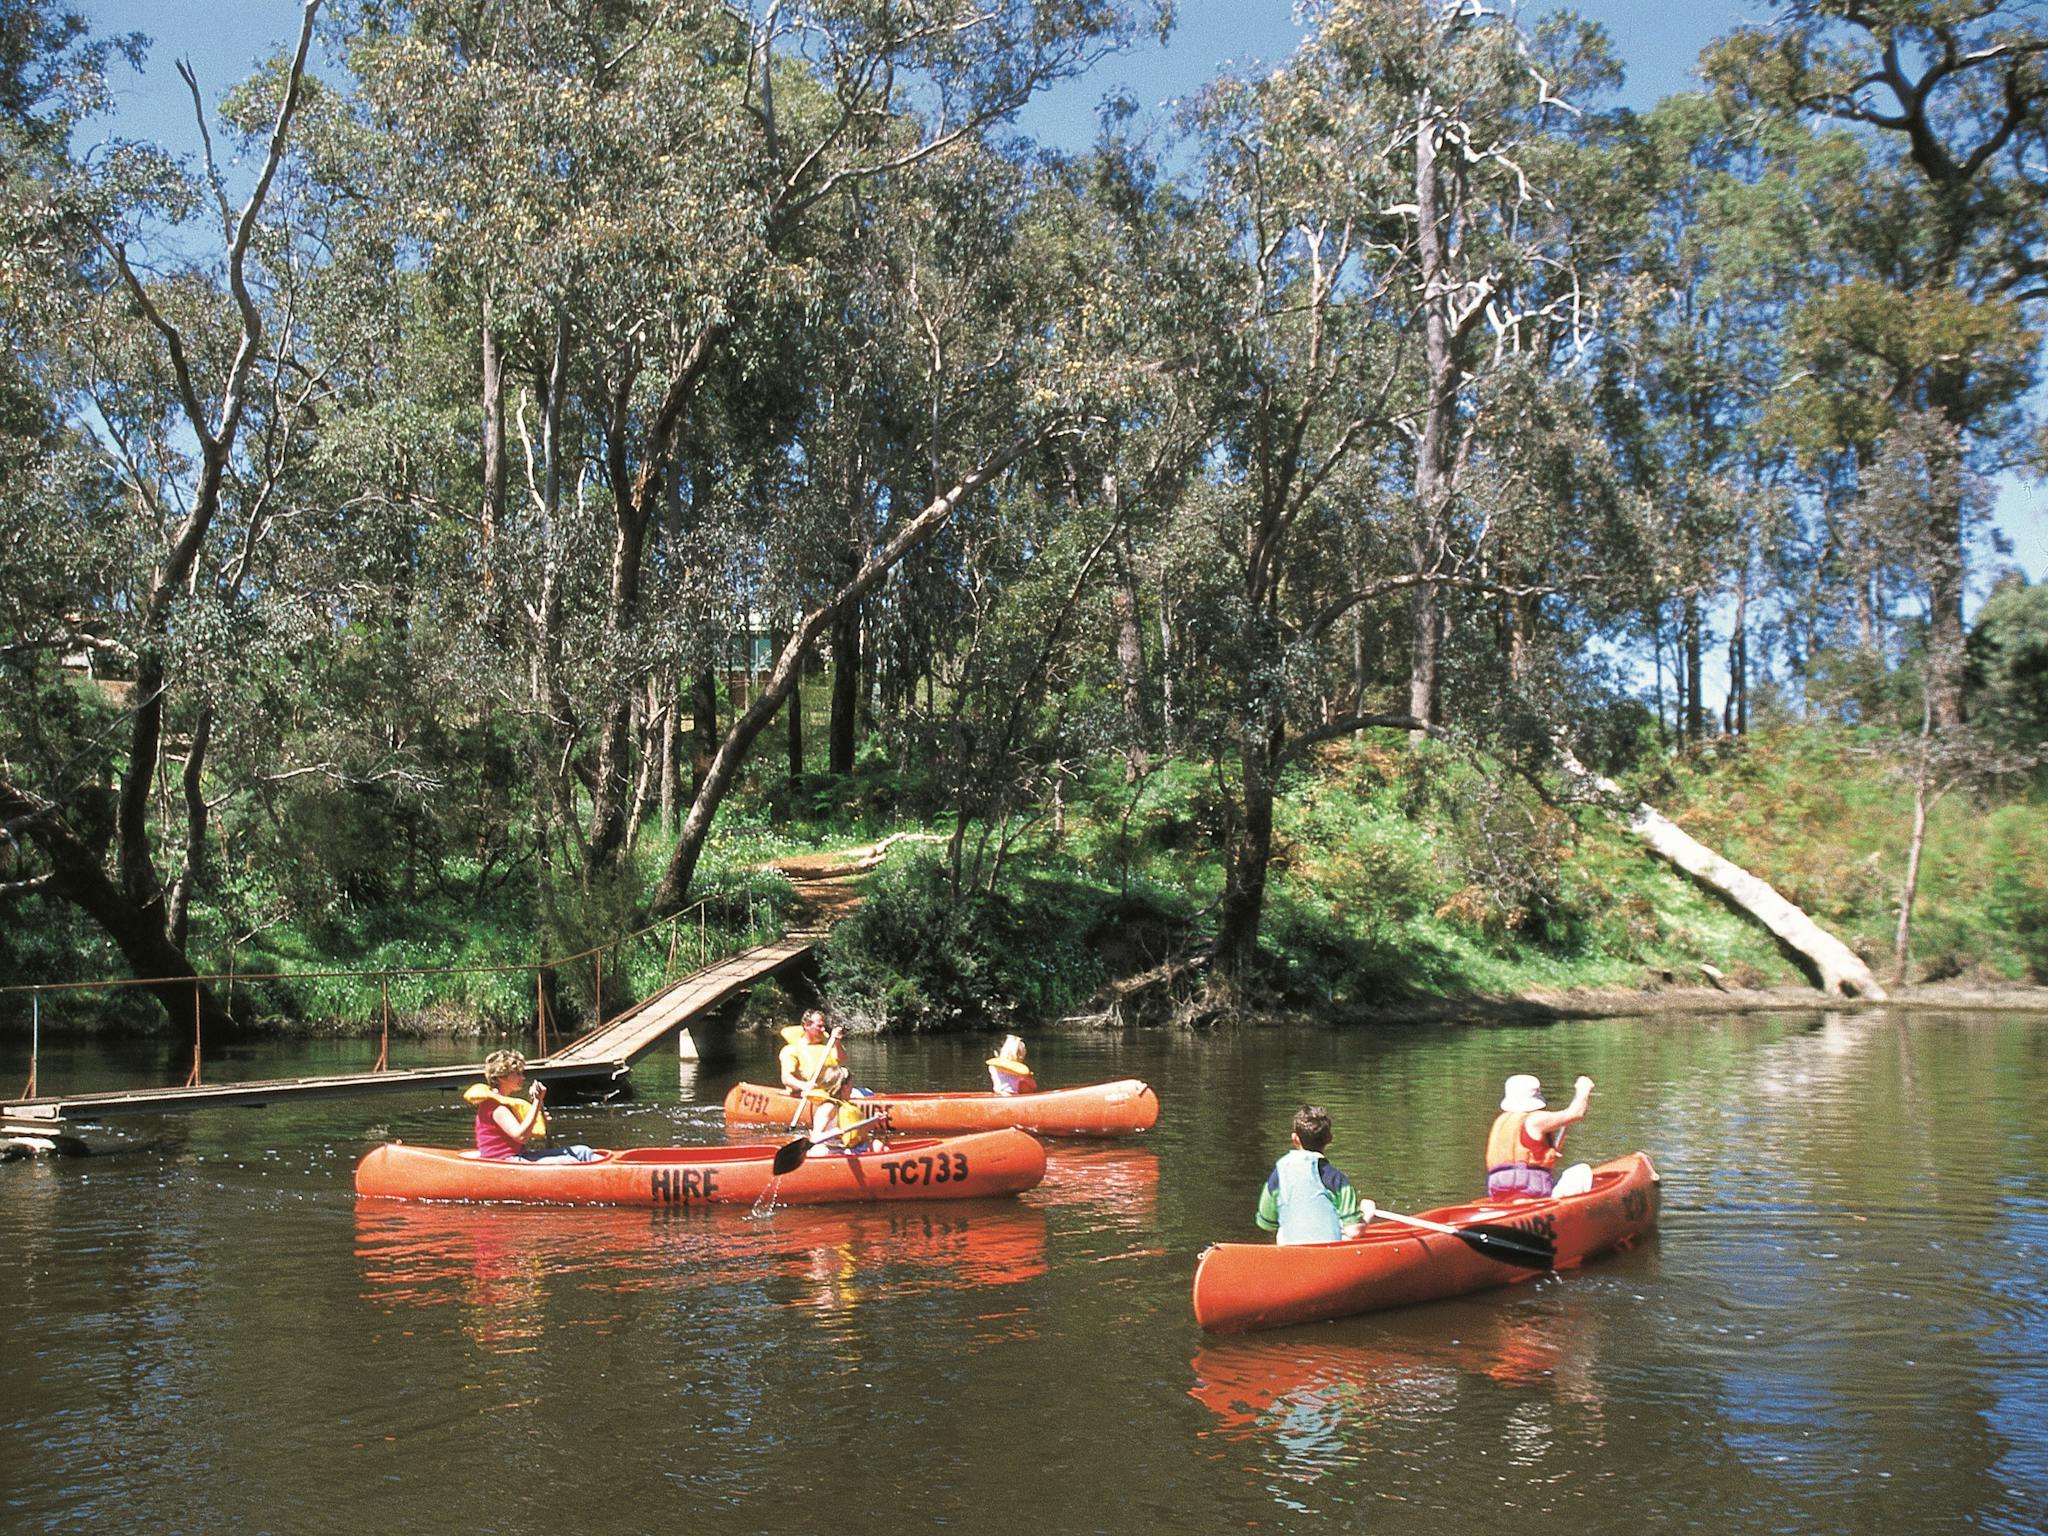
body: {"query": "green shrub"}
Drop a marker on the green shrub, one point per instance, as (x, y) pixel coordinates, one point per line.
(919, 955)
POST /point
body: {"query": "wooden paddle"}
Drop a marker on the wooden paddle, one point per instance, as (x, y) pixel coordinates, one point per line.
(816, 1077)
(791, 1153)
(1506, 1244)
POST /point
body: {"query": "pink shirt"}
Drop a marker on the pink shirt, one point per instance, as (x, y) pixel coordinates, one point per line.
(492, 1143)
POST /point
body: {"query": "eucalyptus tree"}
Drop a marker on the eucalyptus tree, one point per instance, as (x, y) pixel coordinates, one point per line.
(1138, 253)
(183, 373)
(1505, 233)
(2008, 664)
(1306, 355)
(1951, 101)
(1413, 240)
(1046, 670)
(1728, 246)
(650, 191)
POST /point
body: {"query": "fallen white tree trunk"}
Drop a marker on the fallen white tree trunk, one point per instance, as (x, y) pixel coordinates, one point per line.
(1841, 972)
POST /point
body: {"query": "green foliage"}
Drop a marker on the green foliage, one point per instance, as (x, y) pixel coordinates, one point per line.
(2008, 665)
(917, 955)
(596, 358)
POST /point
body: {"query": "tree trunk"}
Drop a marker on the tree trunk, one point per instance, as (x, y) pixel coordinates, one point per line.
(1168, 698)
(1429, 541)
(1902, 943)
(1656, 617)
(78, 876)
(131, 812)
(796, 730)
(846, 672)
(493, 450)
(1364, 651)
(1944, 534)
(1249, 851)
(703, 727)
(647, 733)
(1695, 709)
(180, 904)
(1425, 638)
(1521, 638)
(671, 716)
(1130, 664)
(1735, 718)
(1840, 972)
(550, 695)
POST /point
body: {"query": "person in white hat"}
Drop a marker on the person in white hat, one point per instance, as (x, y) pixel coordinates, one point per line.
(1523, 1148)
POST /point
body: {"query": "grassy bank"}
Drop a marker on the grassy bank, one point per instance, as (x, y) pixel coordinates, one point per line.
(1399, 880)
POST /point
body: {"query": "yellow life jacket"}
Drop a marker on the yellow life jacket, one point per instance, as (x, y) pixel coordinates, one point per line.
(1004, 1064)
(851, 1114)
(825, 1120)
(807, 1062)
(481, 1094)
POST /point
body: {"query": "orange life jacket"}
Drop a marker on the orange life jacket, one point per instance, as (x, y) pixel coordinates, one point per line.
(1508, 1145)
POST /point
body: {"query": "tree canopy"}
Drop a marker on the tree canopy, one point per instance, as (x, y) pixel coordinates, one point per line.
(442, 469)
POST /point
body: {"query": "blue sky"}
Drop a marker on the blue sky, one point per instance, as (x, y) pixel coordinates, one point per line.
(1660, 40)
(224, 38)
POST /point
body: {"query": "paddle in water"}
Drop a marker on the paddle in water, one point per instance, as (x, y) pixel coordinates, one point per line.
(792, 1153)
(1509, 1245)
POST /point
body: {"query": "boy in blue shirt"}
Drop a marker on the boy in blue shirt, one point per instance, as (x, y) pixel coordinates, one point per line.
(1306, 1200)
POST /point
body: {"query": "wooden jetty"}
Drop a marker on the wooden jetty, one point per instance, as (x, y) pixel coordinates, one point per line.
(704, 999)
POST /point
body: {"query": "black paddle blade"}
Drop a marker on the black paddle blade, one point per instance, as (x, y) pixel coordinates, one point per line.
(789, 1154)
(1510, 1246)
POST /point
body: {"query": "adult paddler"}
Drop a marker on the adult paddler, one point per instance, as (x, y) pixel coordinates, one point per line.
(809, 1052)
(1527, 1139)
(510, 1128)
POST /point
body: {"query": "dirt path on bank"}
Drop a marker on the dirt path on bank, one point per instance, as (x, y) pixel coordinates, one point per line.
(826, 883)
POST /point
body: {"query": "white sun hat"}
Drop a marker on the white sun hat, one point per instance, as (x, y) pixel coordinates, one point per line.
(1521, 1093)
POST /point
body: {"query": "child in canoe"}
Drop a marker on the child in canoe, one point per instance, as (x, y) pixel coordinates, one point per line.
(838, 1119)
(1306, 1199)
(509, 1128)
(1007, 1073)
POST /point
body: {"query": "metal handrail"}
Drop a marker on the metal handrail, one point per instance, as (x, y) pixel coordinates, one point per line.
(539, 968)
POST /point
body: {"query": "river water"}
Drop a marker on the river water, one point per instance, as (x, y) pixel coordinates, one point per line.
(1842, 1325)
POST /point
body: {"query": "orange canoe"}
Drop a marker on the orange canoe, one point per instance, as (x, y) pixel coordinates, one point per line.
(958, 1168)
(1240, 1287)
(1096, 1109)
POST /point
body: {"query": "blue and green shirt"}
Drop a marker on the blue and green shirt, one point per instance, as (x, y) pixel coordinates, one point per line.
(1306, 1200)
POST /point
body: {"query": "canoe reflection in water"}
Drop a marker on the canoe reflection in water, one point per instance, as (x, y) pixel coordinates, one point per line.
(1119, 1186)
(504, 1261)
(1328, 1398)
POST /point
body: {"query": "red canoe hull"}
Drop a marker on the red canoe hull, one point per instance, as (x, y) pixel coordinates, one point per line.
(1241, 1287)
(1097, 1109)
(959, 1168)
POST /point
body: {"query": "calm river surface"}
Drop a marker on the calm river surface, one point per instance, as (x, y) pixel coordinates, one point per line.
(1843, 1325)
